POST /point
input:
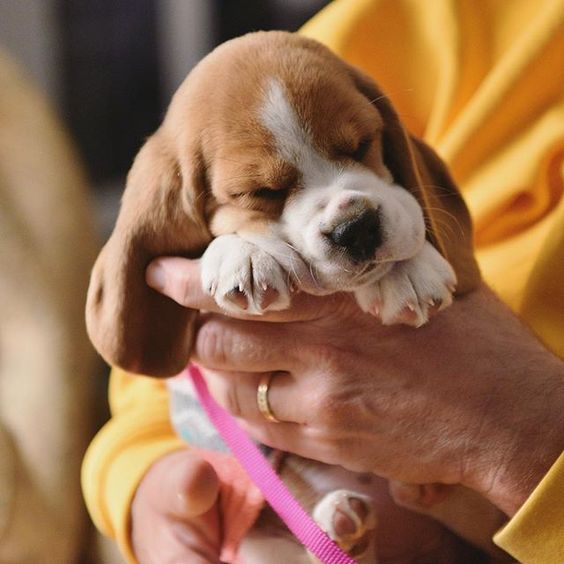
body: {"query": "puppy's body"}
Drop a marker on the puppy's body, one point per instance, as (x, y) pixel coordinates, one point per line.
(290, 169)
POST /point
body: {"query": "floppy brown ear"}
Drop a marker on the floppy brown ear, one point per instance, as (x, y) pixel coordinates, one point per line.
(131, 325)
(415, 166)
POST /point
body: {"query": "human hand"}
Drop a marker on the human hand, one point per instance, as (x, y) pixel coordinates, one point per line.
(174, 514)
(471, 398)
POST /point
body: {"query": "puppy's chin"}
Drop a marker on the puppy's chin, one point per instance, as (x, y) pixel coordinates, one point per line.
(331, 276)
(335, 270)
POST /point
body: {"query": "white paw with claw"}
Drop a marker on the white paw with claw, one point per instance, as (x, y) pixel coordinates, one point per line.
(412, 290)
(349, 519)
(243, 278)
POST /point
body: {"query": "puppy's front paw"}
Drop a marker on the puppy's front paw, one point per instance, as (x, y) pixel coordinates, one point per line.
(412, 291)
(349, 519)
(241, 277)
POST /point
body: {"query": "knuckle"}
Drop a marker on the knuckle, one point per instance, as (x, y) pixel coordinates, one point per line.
(332, 360)
(211, 344)
(335, 394)
(326, 407)
(225, 391)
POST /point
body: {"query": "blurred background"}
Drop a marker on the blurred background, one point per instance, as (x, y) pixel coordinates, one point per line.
(82, 83)
(110, 66)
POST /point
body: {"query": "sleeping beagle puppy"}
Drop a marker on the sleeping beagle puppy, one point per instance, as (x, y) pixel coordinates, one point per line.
(287, 169)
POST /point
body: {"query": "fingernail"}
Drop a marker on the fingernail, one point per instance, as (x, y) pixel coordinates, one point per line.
(156, 276)
(197, 486)
(182, 499)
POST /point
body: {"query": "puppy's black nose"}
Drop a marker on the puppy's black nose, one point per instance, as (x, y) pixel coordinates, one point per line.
(360, 236)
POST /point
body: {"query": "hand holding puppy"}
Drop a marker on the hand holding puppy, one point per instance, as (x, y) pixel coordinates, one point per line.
(394, 401)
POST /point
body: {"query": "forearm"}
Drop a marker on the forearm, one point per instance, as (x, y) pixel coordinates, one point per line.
(534, 533)
(511, 409)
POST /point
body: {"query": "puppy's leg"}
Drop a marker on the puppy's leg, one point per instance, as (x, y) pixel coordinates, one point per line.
(261, 546)
(460, 509)
(270, 541)
(412, 290)
(349, 519)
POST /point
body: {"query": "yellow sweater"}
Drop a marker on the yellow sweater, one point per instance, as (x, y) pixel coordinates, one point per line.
(483, 83)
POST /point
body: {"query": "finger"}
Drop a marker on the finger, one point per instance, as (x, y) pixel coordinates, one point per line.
(237, 393)
(224, 343)
(179, 279)
(183, 485)
(302, 440)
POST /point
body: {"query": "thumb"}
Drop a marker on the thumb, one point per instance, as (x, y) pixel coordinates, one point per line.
(179, 279)
(183, 485)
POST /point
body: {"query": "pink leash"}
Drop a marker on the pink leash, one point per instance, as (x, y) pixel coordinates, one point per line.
(261, 472)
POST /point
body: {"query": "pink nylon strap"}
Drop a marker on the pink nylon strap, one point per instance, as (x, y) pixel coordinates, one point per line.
(261, 472)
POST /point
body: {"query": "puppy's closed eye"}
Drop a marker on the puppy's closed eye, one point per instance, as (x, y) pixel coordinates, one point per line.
(361, 150)
(262, 198)
(354, 150)
(271, 194)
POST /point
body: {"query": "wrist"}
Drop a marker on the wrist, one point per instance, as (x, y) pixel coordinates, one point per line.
(524, 444)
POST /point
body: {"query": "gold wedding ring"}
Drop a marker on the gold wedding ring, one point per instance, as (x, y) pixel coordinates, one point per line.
(262, 398)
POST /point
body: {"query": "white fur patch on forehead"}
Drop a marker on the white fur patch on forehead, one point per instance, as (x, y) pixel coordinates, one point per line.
(293, 139)
(281, 120)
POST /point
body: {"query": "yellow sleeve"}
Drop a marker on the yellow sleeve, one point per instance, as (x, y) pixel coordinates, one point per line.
(479, 82)
(482, 82)
(536, 532)
(138, 433)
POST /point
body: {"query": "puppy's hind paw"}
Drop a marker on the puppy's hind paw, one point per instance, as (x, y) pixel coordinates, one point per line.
(349, 519)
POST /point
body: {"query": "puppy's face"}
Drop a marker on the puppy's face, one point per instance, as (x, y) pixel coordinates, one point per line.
(300, 155)
(345, 215)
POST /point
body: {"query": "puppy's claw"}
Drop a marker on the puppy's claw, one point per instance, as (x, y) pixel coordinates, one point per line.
(409, 316)
(374, 309)
(293, 286)
(268, 298)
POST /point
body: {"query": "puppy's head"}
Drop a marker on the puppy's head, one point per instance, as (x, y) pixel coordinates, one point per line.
(270, 133)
